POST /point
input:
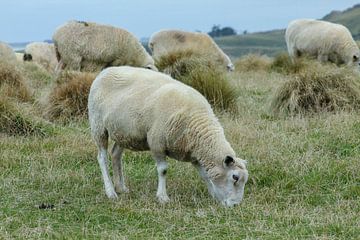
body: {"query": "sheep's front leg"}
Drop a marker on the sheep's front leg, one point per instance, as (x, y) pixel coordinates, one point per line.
(162, 166)
(117, 164)
(102, 159)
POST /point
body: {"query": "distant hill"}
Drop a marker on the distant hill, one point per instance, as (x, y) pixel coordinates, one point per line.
(273, 42)
(349, 18)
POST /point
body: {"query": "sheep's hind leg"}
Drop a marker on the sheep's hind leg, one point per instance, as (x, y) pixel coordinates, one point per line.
(102, 159)
(118, 173)
(162, 166)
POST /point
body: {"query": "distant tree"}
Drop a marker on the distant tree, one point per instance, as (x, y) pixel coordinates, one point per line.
(245, 32)
(227, 31)
(217, 31)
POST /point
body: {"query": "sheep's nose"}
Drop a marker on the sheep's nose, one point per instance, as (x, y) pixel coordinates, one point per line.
(230, 67)
(235, 177)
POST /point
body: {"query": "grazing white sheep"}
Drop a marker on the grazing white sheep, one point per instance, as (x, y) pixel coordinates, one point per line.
(91, 47)
(19, 57)
(145, 110)
(7, 53)
(165, 42)
(42, 53)
(323, 40)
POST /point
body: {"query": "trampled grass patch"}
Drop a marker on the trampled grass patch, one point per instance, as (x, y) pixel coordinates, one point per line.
(303, 180)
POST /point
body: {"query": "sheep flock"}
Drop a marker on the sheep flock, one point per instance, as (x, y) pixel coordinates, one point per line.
(167, 101)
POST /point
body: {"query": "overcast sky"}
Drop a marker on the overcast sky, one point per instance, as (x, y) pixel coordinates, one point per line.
(36, 20)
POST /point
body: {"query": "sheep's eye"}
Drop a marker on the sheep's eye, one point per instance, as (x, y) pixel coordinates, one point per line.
(355, 58)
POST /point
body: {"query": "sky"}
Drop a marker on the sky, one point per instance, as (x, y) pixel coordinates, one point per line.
(36, 20)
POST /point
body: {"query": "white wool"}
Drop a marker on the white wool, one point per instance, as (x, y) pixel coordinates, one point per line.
(43, 53)
(88, 46)
(323, 40)
(166, 42)
(7, 53)
(140, 109)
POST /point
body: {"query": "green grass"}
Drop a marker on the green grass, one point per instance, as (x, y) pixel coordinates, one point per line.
(347, 18)
(269, 43)
(304, 180)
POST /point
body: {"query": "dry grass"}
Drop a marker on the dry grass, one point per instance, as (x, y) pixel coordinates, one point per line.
(69, 96)
(303, 176)
(253, 62)
(282, 63)
(14, 120)
(314, 87)
(203, 75)
(12, 82)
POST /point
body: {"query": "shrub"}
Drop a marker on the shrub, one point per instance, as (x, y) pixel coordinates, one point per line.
(203, 75)
(253, 62)
(69, 96)
(316, 87)
(12, 82)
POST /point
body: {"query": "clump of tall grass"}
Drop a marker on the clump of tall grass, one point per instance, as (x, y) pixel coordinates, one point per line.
(282, 63)
(15, 121)
(315, 87)
(253, 62)
(12, 82)
(69, 96)
(202, 74)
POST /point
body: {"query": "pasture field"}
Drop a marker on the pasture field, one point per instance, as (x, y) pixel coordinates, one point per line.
(304, 178)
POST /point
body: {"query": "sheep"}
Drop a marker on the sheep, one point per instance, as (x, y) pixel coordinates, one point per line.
(91, 47)
(42, 53)
(165, 42)
(145, 110)
(7, 53)
(323, 40)
(19, 56)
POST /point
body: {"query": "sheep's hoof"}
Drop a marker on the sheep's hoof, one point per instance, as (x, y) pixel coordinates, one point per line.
(111, 194)
(163, 199)
(121, 189)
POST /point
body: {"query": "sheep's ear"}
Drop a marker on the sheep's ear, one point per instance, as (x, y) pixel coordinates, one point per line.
(228, 161)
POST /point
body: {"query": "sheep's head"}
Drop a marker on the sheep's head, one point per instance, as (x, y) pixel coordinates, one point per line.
(151, 67)
(230, 67)
(355, 59)
(226, 183)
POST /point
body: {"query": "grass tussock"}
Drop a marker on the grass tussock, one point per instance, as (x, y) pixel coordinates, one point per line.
(12, 82)
(15, 121)
(282, 63)
(69, 96)
(203, 75)
(314, 87)
(253, 62)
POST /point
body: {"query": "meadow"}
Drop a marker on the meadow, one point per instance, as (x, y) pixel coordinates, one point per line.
(304, 178)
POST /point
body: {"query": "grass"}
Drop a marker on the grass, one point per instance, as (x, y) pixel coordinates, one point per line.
(304, 180)
(12, 82)
(314, 87)
(253, 62)
(68, 97)
(202, 74)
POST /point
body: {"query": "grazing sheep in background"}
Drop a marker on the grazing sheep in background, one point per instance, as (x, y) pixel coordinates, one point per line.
(7, 53)
(323, 40)
(19, 57)
(42, 53)
(166, 42)
(145, 110)
(91, 47)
